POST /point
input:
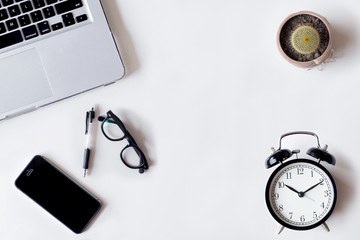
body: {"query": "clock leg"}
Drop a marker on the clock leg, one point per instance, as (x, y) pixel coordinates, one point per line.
(325, 226)
(281, 228)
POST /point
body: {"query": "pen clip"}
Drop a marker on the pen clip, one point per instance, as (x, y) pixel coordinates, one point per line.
(87, 123)
(90, 115)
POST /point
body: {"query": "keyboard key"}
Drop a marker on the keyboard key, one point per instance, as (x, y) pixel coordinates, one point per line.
(81, 18)
(30, 32)
(14, 10)
(3, 14)
(57, 26)
(50, 1)
(68, 19)
(67, 6)
(10, 39)
(24, 20)
(7, 2)
(2, 28)
(49, 12)
(26, 6)
(38, 3)
(12, 24)
(44, 27)
(36, 16)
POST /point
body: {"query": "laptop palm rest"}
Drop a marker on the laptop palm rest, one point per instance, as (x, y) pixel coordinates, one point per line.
(27, 84)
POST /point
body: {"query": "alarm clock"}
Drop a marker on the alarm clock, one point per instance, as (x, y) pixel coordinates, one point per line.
(301, 193)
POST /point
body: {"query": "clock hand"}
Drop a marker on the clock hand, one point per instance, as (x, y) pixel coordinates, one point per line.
(314, 186)
(300, 194)
(292, 189)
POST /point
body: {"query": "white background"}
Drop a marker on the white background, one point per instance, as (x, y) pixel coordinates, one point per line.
(206, 95)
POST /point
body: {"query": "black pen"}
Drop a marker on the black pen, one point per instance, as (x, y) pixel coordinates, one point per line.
(90, 115)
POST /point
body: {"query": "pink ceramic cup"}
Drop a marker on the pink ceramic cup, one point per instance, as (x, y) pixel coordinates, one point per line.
(314, 62)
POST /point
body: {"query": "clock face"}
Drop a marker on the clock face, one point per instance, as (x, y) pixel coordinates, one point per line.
(300, 194)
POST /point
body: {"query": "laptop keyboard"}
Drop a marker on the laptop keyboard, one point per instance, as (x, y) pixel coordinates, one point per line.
(22, 20)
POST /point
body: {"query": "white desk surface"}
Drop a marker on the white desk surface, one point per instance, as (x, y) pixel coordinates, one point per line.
(206, 95)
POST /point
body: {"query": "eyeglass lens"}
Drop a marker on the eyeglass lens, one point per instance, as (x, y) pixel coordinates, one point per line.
(112, 130)
(132, 157)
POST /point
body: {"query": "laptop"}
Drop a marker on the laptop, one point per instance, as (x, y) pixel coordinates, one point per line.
(51, 50)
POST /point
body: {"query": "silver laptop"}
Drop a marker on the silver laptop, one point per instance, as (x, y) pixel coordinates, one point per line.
(51, 50)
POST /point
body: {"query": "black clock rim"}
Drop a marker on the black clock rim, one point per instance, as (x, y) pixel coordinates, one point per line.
(272, 212)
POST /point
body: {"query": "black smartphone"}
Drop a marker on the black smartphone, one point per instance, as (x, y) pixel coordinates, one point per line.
(58, 194)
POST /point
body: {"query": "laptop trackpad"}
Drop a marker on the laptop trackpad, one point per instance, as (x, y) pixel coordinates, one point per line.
(24, 81)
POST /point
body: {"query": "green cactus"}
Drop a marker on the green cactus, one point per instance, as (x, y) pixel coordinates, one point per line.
(305, 39)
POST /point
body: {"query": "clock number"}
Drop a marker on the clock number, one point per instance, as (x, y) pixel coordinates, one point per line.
(321, 181)
(302, 218)
(322, 205)
(326, 193)
(300, 171)
(291, 214)
(312, 173)
(315, 215)
(276, 196)
(281, 184)
(288, 175)
(281, 207)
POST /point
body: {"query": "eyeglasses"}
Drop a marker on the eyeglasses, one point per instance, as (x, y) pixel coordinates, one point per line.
(114, 130)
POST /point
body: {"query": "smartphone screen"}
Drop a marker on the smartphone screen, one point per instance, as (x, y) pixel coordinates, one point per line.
(58, 194)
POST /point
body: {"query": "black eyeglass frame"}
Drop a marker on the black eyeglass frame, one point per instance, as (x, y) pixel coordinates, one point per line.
(112, 118)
